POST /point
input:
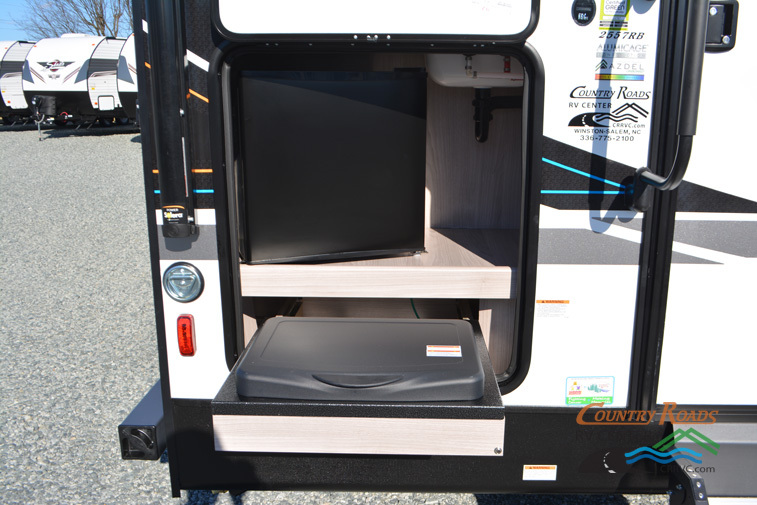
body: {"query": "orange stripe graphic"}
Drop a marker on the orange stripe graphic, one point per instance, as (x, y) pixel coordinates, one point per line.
(195, 93)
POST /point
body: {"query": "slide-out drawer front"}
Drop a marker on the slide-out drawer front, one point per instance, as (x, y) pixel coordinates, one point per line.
(359, 435)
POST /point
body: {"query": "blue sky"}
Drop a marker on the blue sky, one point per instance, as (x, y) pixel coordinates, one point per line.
(10, 9)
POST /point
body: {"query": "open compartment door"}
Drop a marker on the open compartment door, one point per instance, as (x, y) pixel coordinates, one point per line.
(383, 22)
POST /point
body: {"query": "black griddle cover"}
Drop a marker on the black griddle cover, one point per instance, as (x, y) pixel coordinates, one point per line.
(382, 360)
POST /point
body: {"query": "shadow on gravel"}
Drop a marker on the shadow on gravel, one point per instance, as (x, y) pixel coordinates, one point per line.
(21, 127)
(71, 131)
(210, 498)
(548, 499)
(207, 498)
(95, 131)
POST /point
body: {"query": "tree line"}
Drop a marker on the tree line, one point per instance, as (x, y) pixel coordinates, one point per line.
(53, 18)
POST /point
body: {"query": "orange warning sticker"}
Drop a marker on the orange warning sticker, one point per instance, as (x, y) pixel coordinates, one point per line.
(552, 308)
(539, 472)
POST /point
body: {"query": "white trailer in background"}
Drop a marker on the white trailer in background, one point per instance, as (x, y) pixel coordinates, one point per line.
(127, 78)
(75, 77)
(12, 56)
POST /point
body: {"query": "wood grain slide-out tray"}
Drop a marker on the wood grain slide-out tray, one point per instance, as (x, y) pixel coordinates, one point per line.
(464, 428)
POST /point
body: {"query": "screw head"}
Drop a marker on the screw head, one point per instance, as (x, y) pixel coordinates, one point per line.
(726, 39)
(713, 11)
(497, 450)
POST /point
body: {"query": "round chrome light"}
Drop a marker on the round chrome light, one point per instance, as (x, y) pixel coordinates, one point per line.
(183, 282)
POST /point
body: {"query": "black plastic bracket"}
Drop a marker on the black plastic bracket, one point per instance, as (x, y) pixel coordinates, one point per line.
(639, 196)
(484, 104)
(142, 434)
(721, 26)
(686, 485)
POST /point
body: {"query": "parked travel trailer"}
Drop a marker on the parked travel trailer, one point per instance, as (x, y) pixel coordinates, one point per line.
(450, 246)
(75, 77)
(14, 106)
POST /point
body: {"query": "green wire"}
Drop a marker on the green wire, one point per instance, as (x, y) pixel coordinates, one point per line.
(412, 303)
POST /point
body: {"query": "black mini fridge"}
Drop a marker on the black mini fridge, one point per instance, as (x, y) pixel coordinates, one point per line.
(331, 164)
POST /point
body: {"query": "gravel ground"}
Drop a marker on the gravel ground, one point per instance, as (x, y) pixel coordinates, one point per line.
(77, 332)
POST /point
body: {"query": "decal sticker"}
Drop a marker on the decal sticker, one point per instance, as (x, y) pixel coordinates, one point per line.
(552, 308)
(620, 125)
(615, 108)
(539, 472)
(610, 71)
(621, 52)
(447, 351)
(586, 390)
(626, 46)
(614, 14)
(608, 121)
(53, 66)
(175, 214)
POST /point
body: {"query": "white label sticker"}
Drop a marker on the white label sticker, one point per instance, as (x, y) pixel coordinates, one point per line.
(539, 472)
(449, 351)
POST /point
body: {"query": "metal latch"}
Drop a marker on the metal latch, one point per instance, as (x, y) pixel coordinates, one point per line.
(721, 26)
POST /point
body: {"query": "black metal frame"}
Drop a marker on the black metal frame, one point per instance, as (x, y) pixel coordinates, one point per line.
(657, 226)
(532, 437)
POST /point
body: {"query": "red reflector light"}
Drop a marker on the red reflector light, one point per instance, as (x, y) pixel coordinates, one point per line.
(185, 328)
